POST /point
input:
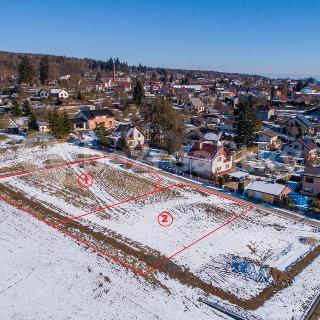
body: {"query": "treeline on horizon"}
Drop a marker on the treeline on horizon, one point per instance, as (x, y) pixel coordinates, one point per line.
(62, 65)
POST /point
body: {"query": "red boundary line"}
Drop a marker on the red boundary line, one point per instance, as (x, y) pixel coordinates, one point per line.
(155, 190)
(67, 164)
(97, 249)
(57, 166)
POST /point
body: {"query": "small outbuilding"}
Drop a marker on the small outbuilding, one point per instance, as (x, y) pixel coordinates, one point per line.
(267, 191)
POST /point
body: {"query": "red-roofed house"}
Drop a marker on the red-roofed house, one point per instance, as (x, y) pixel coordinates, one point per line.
(208, 159)
(301, 148)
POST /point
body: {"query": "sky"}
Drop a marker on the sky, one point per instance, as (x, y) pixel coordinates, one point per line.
(279, 37)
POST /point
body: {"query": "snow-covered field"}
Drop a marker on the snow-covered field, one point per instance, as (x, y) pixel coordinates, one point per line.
(45, 275)
(243, 253)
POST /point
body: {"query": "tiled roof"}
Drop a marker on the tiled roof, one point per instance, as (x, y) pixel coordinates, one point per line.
(309, 144)
(91, 114)
(203, 151)
(270, 133)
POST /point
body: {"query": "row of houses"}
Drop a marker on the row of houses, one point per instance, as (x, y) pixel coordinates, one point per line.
(91, 119)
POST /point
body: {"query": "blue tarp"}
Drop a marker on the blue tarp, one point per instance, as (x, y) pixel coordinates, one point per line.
(298, 199)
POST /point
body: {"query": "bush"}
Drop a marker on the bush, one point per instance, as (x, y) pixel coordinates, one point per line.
(221, 181)
(241, 187)
(287, 202)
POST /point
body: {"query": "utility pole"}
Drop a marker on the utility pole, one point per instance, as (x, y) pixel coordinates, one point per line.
(114, 71)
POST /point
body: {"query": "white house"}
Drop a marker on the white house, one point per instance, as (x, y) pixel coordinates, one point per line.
(268, 140)
(193, 105)
(43, 126)
(132, 134)
(59, 93)
(103, 84)
(66, 77)
(208, 159)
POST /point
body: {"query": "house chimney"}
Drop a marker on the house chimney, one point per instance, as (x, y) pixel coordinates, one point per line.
(114, 71)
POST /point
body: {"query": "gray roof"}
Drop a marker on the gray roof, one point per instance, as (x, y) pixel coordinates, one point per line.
(312, 171)
(305, 121)
(238, 174)
(197, 103)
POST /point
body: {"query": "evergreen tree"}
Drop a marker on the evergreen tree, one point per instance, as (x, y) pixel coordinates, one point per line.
(44, 70)
(26, 107)
(16, 109)
(240, 187)
(53, 118)
(122, 143)
(59, 123)
(300, 85)
(33, 123)
(221, 181)
(138, 92)
(311, 81)
(101, 133)
(25, 70)
(64, 124)
(245, 123)
(81, 96)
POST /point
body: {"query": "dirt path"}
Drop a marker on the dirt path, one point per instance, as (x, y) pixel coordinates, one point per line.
(316, 314)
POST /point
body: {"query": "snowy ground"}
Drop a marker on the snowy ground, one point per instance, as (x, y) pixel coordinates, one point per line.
(237, 259)
(7, 140)
(44, 275)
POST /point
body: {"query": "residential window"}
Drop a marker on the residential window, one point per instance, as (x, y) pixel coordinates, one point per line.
(139, 135)
(308, 179)
(296, 147)
(219, 169)
(227, 166)
(308, 189)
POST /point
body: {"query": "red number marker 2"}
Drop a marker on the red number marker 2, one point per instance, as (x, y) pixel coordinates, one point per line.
(165, 219)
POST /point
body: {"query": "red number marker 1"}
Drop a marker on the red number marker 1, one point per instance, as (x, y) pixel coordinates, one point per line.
(85, 180)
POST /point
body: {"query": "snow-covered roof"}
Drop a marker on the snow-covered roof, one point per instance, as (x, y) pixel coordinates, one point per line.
(212, 136)
(267, 187)
(238, 174)
(55, 91)
(43, 123)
